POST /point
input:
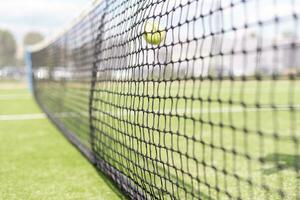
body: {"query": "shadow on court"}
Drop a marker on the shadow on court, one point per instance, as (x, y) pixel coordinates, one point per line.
(281, 162)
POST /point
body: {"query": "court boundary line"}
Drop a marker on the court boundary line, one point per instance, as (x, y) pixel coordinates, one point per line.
(21, 117)
(15, 97)
(17, 117)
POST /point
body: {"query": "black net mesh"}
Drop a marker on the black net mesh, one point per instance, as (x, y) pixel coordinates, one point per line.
(181, 99)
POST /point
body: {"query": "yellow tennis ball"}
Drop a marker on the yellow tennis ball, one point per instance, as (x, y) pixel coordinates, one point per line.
(153, 34)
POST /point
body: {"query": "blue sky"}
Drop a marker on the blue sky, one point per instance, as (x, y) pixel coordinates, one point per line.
(46, 16)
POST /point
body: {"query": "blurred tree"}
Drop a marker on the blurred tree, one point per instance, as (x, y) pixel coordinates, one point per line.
(8, 48)
(32, 38)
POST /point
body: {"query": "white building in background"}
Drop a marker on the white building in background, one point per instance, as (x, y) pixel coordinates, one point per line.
(218, 57)
(239, 52)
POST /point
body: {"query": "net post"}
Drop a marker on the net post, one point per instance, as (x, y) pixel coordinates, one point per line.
(28, 63)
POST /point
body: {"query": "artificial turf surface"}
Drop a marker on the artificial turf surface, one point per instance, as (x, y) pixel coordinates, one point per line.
(37, 162)
(206, 139)
(202, 139)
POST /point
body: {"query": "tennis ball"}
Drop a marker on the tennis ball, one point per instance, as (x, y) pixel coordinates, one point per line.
(153, 34)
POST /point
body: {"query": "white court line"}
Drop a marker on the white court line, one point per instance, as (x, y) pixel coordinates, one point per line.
(14, 96)
(16, 117)
(71, 114)
(230, 110)
(188, 111)
(22, 117)
(181, 112)
(124, 113)
(39, 116)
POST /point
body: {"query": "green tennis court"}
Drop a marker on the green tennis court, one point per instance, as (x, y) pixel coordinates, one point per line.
(226, 140)
(151, 99)
(37, 162)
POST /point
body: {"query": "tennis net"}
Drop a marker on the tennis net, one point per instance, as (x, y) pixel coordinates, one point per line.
(180, 99)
